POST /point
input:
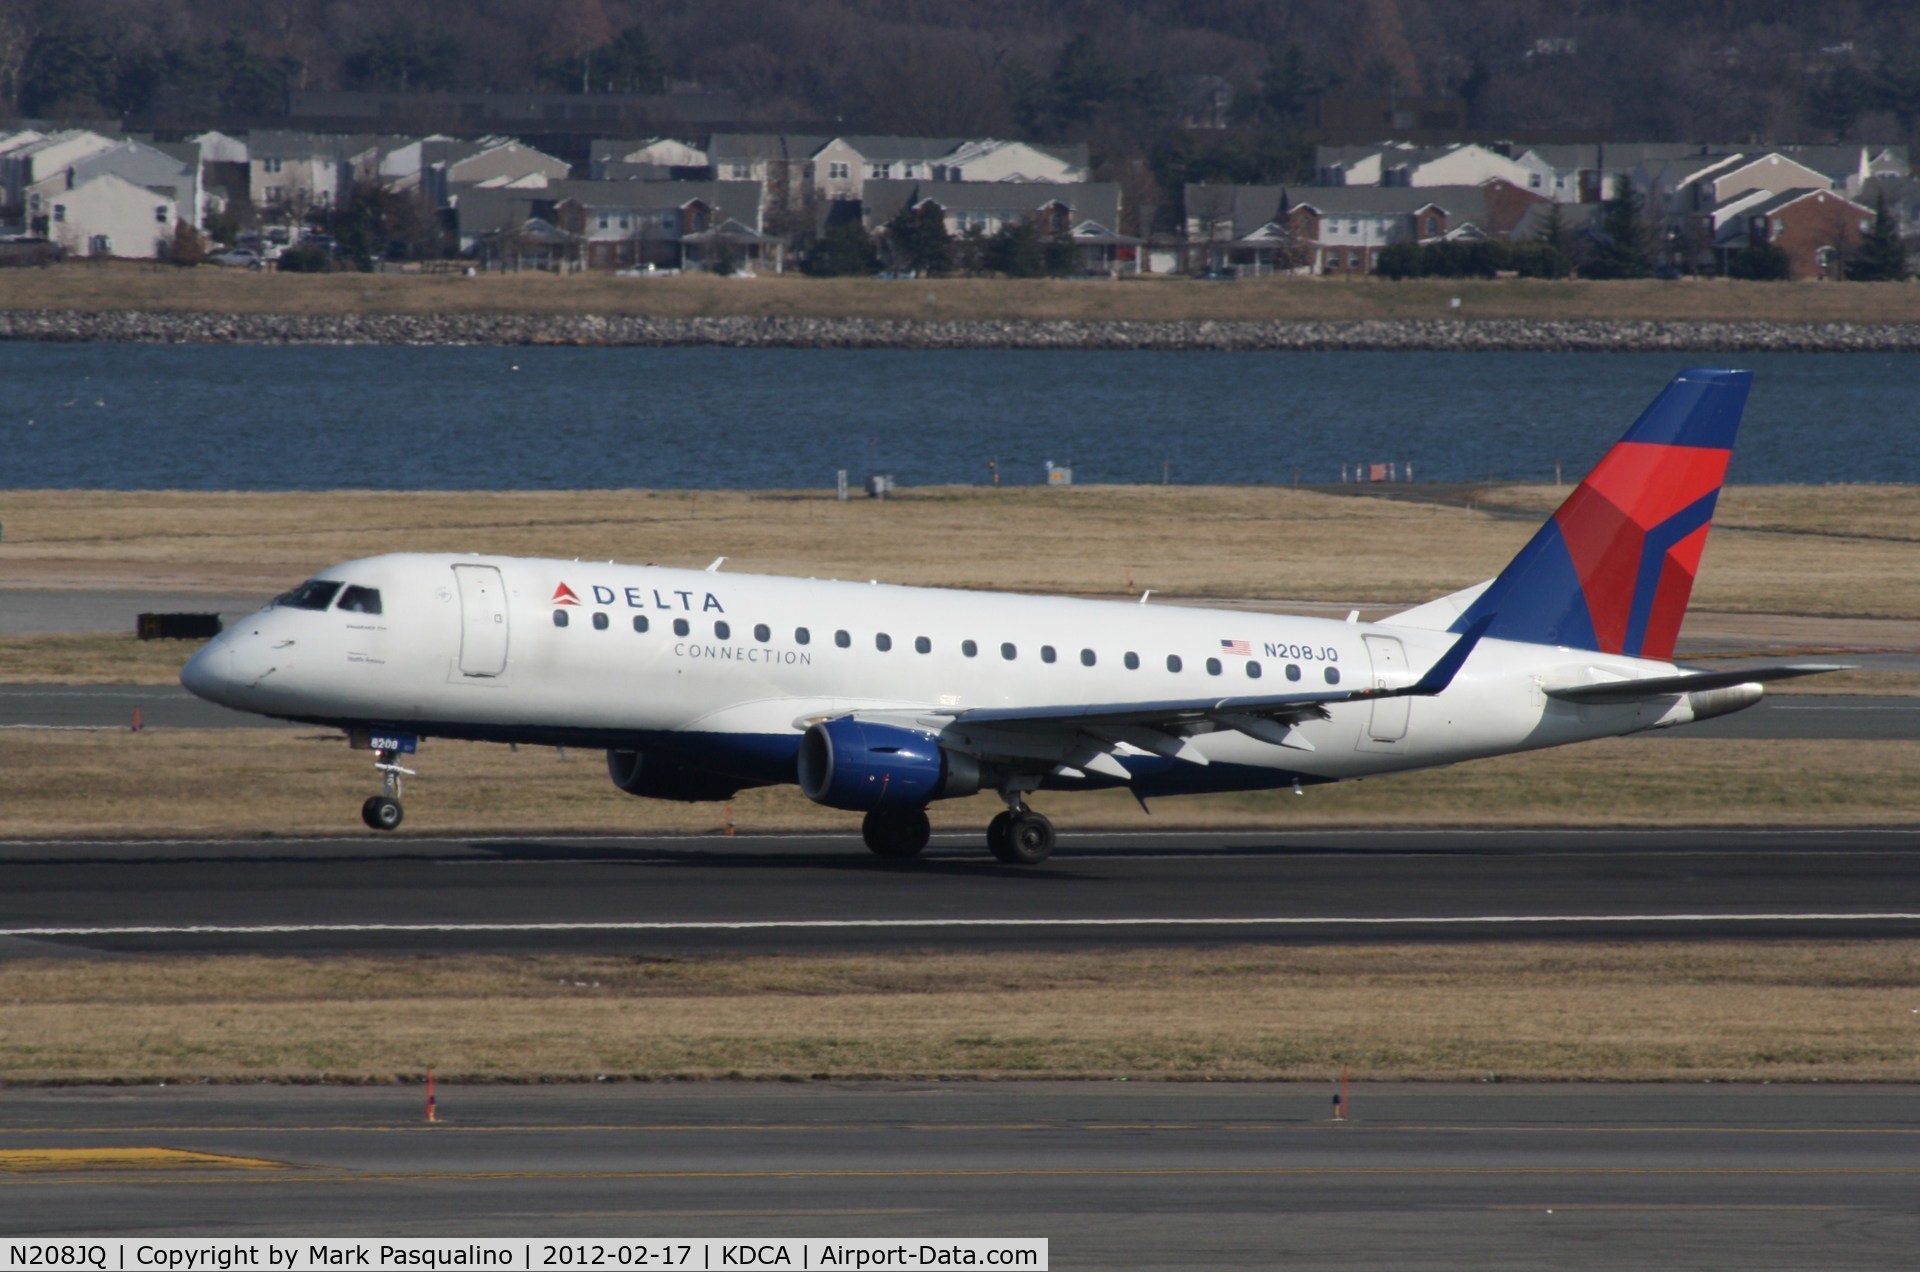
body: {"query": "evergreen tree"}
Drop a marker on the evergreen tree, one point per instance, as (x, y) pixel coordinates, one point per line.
(1623, 251)
(1760, 262)
(1881, 256)
(845, 249)
(919, 239)
(629, 64)
(1018, 251)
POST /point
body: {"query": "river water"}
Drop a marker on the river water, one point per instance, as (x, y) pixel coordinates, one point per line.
(217, 417)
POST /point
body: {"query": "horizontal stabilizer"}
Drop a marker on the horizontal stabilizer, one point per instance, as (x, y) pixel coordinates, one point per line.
(1668, 686)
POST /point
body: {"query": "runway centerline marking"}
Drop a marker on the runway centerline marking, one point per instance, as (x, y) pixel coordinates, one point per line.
(806, 925)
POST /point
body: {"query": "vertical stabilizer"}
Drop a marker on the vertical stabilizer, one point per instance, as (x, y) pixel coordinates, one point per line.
(1612, 569)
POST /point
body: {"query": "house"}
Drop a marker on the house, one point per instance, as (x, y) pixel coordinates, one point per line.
(1816, 228)
(799, 169)
(32, 170)
(1339, 230)
(291, 173)
(841, 167)
(1588, 173)
(1013, 161)
(1087, 212)
(624, 224)
(489, 161)
(665, 154)
(170, 171)
(108, 215)
(1399, 164)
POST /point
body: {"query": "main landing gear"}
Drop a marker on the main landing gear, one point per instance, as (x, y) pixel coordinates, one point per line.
(1020, 836)
(896, 833)
(383, 811)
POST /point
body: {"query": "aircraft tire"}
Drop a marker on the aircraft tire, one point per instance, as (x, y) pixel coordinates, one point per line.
(1028, 841)
(997, 836)
(382, 812)
(894, 834)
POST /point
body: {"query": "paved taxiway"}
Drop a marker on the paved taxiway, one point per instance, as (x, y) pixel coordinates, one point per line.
(825, 892)
(1115, 1175)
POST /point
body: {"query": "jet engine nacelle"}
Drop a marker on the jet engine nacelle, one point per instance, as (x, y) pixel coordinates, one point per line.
(849, 764)
(659, 777)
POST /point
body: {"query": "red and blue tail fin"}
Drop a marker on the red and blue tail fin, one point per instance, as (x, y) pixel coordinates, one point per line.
(1613, 568)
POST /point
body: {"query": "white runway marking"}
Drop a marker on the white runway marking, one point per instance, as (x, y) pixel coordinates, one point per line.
(812, 925)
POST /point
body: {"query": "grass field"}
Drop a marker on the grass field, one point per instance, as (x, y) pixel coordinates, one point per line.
(1831, 550)
(89, 286)
(1643, 1011)
(293, 782)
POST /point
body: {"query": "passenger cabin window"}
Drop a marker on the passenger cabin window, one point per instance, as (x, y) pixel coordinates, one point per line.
(1173, 662)
(921, 645)
(1087, 658)
(1132, 661)
(1333, 675)
(762, 633)
(842, 639)
(599, 621)
(639, 622)
(681, 627)
(314, 594)
(801, 636)
(968, 648)
(559, 618)
(360, 600)
(1008, 652)
(1293, 671)
(1046, 654)
(721, 631)
(1213, 666)
(1253, 671)
(882, 642)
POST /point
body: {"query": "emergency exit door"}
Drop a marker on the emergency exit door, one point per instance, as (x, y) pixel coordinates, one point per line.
(1387, 727)
(483, 620)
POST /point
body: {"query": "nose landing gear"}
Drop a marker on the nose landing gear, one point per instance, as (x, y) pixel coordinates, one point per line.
(383, 811)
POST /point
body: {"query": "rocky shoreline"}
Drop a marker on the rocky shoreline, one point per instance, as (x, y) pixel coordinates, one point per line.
(1487, 336)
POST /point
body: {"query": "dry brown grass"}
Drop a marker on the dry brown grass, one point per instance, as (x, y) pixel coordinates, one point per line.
(1834, 552)
(1644, 1011)
(219, 782)
(91, 286)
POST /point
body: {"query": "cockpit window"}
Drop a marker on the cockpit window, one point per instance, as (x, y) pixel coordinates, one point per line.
(360, 600)
(314, 594)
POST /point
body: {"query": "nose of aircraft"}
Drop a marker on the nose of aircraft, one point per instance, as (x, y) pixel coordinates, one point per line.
(233, 665)
(209, 673)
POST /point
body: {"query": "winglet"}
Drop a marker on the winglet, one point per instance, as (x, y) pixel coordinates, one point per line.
(1441, 674)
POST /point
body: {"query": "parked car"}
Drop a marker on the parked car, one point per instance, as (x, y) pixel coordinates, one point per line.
(238, 257)
(1214, 276)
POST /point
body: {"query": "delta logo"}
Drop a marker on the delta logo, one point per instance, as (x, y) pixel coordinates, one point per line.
(563, 595)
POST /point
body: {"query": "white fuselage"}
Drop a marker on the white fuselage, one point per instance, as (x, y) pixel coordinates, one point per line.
(727, 669)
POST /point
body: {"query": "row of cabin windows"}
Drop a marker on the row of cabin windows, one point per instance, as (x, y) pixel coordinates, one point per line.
(723, 630)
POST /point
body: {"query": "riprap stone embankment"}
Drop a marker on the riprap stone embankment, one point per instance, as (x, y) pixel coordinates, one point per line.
(1486, 335)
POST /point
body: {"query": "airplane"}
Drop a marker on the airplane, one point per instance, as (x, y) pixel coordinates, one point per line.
(880, 699)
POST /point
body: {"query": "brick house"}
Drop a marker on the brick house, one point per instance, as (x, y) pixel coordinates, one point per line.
(1816, 229)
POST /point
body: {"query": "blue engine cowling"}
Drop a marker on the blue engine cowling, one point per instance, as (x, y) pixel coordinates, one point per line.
(849, 764)
(659, 777)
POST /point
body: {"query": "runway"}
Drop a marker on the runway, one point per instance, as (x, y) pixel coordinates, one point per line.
(1836, 716)
(778, 893)
(1115, 1176)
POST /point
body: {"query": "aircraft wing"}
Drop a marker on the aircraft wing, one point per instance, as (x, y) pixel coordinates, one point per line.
(1075, 738)
(1691, 682)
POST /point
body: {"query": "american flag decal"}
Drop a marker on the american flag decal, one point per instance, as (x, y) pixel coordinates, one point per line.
(1240, 647)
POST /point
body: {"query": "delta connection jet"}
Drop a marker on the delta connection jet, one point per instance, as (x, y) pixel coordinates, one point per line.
(880, 700)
